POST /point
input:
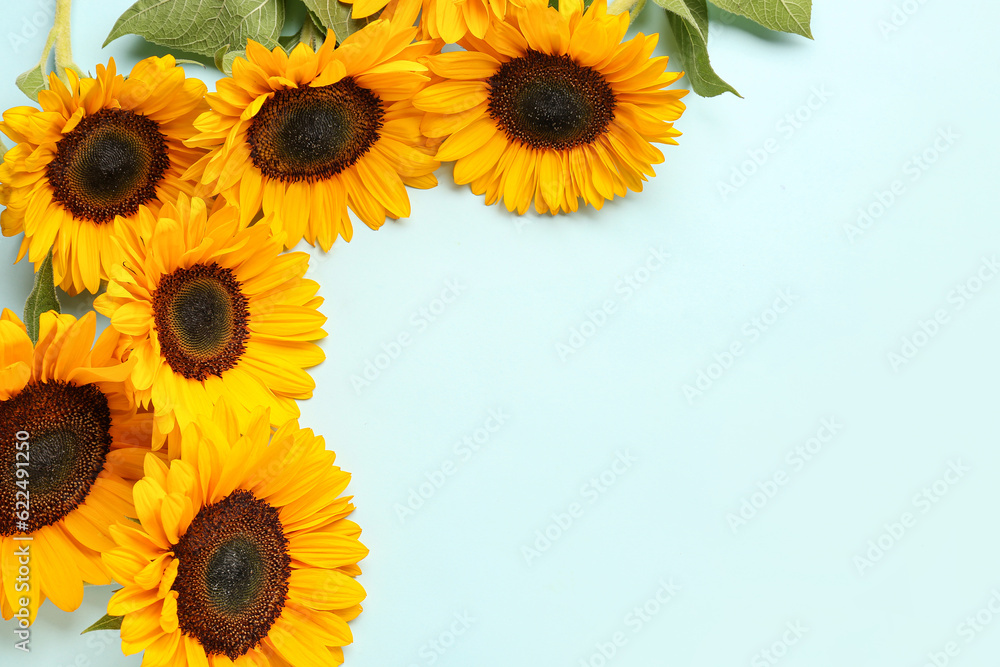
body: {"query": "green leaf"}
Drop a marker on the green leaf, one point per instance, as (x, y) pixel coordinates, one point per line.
(693, 12)
(336, 16)
(227, 60)
(106, 622)
(224, 59)
(32, 82)
(219, 55)
(202, 26)
(42, 298)
(694, 50)
(784, 15)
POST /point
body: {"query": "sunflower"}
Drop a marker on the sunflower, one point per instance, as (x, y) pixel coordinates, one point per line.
(212, 310)
(71, 447)
(308, 135)
(448, 20)
(243, 555)
(552, 107)
(98, 149)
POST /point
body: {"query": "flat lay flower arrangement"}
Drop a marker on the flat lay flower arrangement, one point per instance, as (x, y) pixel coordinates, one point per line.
(165, 456)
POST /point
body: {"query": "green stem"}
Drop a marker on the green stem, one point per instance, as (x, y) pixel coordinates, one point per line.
(64, 49)
(50, 40)
(309, 34)
(621, 6)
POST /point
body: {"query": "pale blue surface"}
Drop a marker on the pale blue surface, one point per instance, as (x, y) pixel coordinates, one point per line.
(526, 283)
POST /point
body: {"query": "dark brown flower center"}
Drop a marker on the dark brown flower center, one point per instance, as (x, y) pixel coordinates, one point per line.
(54, 438)
(232, 575)
(201, 319)
(314, 133)
(108, 165)
(547, 101)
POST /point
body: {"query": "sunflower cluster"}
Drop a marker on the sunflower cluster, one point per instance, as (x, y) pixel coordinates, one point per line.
(231, 546)
(167, 456)
(543, 107)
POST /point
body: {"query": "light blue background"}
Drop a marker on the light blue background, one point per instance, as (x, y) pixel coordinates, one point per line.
(527, 283)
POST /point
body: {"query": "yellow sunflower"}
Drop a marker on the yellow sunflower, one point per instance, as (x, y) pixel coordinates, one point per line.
(213, 310)
(308, 135)
(551, 107)
(448, 20)
(101, 148)
(71, 447)
(243, 555)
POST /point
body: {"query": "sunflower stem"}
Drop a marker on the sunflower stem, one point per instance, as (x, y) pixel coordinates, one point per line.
(621, 6)
(64, 48)
(49, 41)
(309, 34)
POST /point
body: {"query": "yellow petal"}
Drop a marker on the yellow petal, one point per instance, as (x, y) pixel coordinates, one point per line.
(61, 580)
(462, 65)
(324, 589)
(451, 96)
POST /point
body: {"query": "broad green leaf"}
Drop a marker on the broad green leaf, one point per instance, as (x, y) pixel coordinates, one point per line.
(691, 12)
(42, 298)
(336, 16)
(202, 26)
(32, 82)
(784, 15)
(106, 622)
(693, 52)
